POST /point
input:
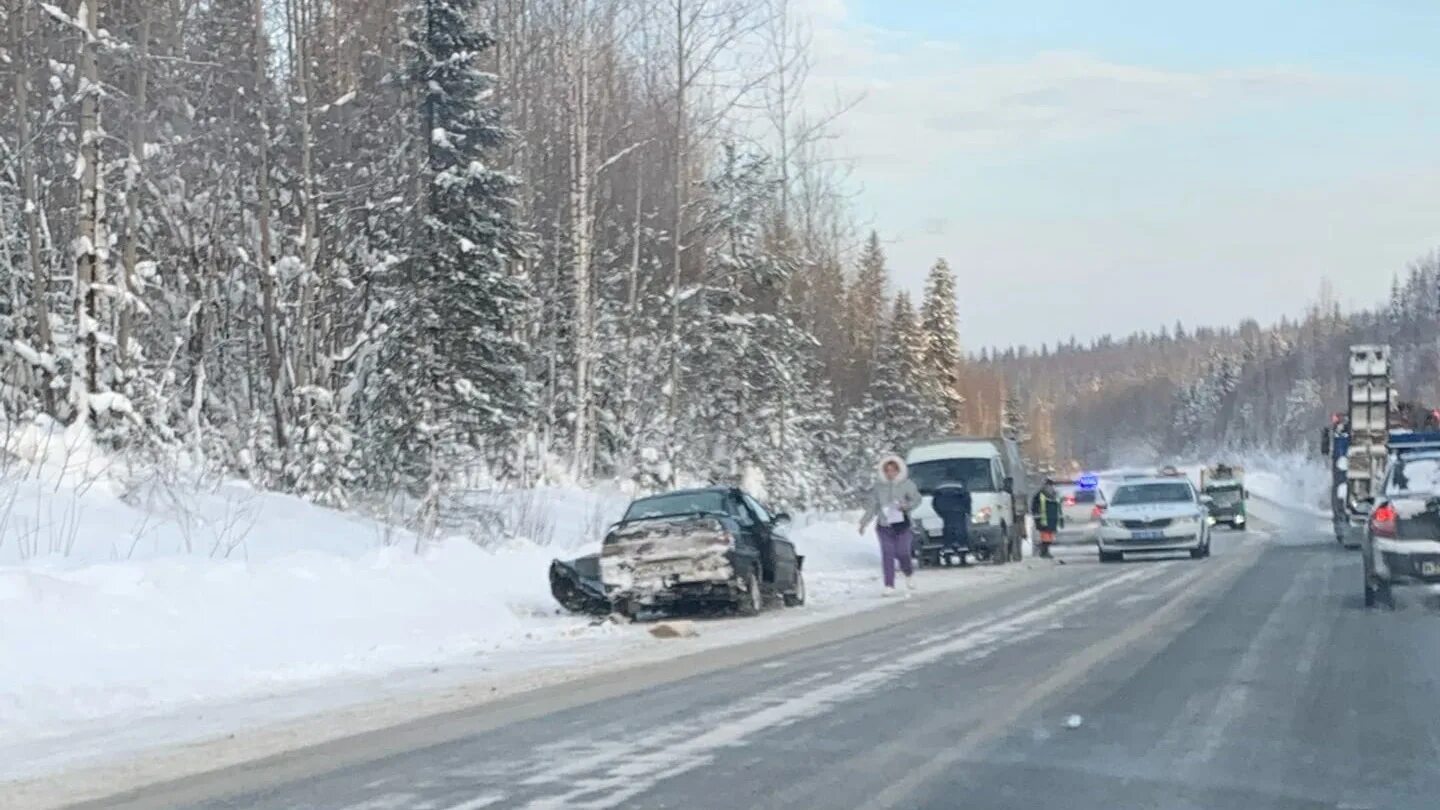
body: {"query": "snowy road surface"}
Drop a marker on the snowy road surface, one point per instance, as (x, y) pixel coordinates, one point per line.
(1254, 679)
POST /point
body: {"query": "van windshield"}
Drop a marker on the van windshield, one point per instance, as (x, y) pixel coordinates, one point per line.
(974, 473)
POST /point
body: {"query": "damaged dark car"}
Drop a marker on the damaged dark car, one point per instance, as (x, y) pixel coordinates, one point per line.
(693, 549)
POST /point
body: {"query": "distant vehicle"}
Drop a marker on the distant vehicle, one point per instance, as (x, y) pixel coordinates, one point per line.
(1081, 504)
(994, 472)
(703, 548)
(1402, 534)
(1360, 441)
(1161, 513)
(1224, 487)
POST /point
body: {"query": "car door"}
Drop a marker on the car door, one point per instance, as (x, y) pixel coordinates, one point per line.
(776, 548)
(752, 541)
(1007, 504)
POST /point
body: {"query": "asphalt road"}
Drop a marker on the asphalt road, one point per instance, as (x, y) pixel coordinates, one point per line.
(1251, 680)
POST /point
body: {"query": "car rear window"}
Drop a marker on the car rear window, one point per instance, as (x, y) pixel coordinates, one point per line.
(1415, 475)
(677, 503)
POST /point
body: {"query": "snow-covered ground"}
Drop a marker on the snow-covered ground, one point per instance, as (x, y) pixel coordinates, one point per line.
(139, 614)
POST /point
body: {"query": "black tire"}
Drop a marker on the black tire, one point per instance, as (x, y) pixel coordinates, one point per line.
(1001, 555)
(752, 598)
(1198, 553)
(1379, 594)
(796, 596)
(1112, 556)
(1240, 527)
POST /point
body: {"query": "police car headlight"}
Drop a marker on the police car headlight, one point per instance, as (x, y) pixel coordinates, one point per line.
(983, 516)
(1113, 523)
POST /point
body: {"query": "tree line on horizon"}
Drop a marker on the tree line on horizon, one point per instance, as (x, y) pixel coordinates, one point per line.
(1173, 393)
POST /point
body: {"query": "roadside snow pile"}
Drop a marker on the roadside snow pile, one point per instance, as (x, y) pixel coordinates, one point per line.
(1289, 480)
(119, 599)
(839, 561)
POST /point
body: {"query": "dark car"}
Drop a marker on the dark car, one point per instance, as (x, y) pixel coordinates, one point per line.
(1401, 544)
(700, 548)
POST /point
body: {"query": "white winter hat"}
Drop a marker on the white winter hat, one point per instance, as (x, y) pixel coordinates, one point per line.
(890, 458)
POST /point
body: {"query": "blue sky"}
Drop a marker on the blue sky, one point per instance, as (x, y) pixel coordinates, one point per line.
(1109, 166)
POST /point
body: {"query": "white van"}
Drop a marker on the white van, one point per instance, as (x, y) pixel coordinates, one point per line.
(982, 464)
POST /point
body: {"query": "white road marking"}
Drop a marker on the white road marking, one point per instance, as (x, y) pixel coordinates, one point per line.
(487, 800)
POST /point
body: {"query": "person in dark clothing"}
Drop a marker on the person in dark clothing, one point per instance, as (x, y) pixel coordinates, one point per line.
(1045, 506)
(951, 502)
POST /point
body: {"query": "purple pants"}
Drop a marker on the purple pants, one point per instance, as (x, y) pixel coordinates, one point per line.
(894, 547)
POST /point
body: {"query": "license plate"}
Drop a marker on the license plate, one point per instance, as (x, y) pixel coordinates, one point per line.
(1150, 534)
(1429, 568)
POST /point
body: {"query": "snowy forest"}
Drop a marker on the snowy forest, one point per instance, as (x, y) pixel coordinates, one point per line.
(1193, 394)
(384, 247)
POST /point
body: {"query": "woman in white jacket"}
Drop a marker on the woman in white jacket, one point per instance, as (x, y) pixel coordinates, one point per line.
(891, 501)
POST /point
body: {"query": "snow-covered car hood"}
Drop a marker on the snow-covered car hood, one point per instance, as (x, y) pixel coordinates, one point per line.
(1152, 511)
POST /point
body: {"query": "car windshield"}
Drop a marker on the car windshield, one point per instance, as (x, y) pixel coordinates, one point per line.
(676, 503)
(1415, 475)
(1157, 492)
(974, 473)
(1225, 496)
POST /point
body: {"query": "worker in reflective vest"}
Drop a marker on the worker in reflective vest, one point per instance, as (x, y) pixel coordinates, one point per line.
(1045, 506)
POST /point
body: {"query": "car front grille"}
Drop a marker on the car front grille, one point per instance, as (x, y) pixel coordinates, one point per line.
(1147, 524)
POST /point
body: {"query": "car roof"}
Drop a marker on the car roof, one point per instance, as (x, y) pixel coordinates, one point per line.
(1151, 479)
(1411, 455)
(951, 448)
(691, 491)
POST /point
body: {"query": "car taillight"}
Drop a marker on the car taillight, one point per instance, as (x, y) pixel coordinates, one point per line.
(1069, 500)
(1382, 521)
(1098, 512)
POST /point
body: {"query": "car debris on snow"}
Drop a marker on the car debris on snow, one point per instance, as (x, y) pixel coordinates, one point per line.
(674, 629)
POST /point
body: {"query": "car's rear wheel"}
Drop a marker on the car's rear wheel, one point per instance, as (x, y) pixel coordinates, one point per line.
(752, 599)
(1198, 553)
(796, 597)
(1378, 593)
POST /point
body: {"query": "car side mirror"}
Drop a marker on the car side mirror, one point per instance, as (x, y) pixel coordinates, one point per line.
(782, 519)
(1008, 485)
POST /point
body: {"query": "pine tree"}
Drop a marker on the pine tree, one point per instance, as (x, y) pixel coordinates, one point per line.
(452, 363)
(1013, 420)
(941, 364)
(896, 412)
(865, 316)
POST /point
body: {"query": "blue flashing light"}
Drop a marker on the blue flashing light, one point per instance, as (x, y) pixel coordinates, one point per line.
(1088, 481)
